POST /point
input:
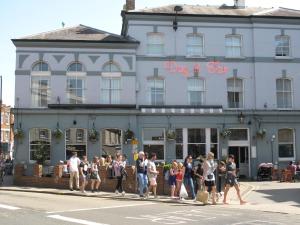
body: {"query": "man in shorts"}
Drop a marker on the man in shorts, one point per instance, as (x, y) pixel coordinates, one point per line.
(152, 174)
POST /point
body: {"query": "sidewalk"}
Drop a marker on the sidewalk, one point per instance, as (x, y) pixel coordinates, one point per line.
(245, 189)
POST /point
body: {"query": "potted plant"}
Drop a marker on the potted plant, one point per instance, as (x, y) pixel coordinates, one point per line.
(261, 132)
(57, 133)
(171, 135)
(93, 135)
(41, 155)
(128, 135)
(19, 133)
(225, 133)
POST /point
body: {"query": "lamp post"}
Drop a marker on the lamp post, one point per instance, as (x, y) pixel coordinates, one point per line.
(272, 142)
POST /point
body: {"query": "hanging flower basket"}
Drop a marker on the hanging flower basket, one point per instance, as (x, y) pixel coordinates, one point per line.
(57, 133)
(128, 135)
(225, 133)
(93, 135)
(171, 135)
(261, 133)
(19, 133)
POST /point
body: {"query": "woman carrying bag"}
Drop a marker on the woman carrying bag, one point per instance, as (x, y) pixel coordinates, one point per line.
(209, 166)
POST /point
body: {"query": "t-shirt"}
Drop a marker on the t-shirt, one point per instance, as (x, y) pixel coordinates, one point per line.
(84, 166)
(140, 166)
(209, 168)
(188, 170)
(151, 166)
(74, 162)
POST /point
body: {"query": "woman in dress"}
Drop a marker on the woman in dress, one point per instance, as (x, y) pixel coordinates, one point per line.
(95, 178)
(179, 178)
(172, 178)
(209, 167)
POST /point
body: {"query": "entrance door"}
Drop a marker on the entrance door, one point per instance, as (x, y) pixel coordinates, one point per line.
(241, 155)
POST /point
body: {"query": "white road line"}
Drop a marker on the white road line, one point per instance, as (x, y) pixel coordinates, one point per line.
(9, 207)
(79, 221)
(106, 207)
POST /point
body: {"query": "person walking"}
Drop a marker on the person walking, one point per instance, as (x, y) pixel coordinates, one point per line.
(172, 178)
(209, 167)
(199, 175)
(84, 167)
(141, 175)
(74, 163)
(95, 178)
(179, 178)
(119, 166)
(188, 179)
(231, 179)
(152, 175)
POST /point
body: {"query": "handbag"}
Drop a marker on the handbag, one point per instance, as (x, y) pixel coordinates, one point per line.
(202, 195)
(183, 193)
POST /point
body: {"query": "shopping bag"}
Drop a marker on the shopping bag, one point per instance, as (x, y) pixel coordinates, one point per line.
(202, 195)
(183, 193)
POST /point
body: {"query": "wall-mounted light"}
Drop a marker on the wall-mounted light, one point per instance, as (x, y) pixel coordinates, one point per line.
(241, 117)
(177, 9)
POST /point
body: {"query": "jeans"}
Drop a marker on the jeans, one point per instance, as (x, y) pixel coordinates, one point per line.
(143, 182)
(188, 181)
(119, 186)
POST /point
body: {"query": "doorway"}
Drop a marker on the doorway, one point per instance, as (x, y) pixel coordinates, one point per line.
(241, 155)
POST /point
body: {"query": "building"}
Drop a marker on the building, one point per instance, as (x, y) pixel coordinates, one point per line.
(222, 78)
(7, 134)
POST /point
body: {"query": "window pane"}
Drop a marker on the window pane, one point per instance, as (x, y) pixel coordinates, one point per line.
(111, 67)
(196, 135)
(194, 45)
(286, 150)
(214, 149)
(238, 135)
(153, 134)
(179, 151)
(111, 141)
(214, 135)
(287, 85)
(285, 135)
(158, 149)
(155, 43)
(195, 150)
(179, 136)
(75, 67)
(279, 84)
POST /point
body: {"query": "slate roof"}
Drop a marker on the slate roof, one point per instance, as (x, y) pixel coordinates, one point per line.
(79, 33)
(222, 10)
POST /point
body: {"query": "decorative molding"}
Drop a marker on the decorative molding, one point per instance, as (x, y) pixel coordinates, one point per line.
(94, 58)
(129, 60)
(58, 58)
(22, 58)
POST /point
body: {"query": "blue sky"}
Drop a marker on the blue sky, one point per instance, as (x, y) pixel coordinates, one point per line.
(25, 17)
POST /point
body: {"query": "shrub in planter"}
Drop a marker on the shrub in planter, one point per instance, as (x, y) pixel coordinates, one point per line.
(128, 135)
(19, 133)
(171, 135)
(93, 135)
(57, 133)
(225, 133)
(261, 133)
(41, 154)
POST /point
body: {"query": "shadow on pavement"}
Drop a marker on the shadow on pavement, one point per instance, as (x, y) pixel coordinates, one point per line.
(282, 195)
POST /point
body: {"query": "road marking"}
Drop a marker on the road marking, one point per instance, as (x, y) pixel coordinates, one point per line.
(9, 207)
(106, 207)
(255, 222)
(69, 219)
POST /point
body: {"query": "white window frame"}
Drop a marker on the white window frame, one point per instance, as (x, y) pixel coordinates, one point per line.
(290, 50)
(241, 46)
(77, 71)
(29, 145)
(40, 76)
(203, 91)
(149, 142)
(76, 76)
(40, 72)
(283, 159)
(86, 140)
(150, 93)
(202, 55)
(151, 44)
(110, 89)
(292, 93)
(122, 137)
(243, 92)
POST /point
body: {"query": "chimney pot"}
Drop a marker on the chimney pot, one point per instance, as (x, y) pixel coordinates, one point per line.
(130, 5)
(240, 4)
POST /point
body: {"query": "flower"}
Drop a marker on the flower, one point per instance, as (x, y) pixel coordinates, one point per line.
(19, 133)
(57, 133)
(171, 135)
(93, 135)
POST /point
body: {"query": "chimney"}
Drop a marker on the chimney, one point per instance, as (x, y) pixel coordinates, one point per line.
(130, 5)
(240, 4)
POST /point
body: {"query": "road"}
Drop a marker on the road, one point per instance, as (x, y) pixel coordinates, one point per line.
(23, 208)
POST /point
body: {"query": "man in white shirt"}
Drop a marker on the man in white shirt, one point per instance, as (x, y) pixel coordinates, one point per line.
(74, 163)
(152, 174)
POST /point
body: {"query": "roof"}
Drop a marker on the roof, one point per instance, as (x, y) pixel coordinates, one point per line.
(79, 33)
(222, 10)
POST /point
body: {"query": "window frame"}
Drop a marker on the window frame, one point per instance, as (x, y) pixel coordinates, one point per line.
(29, 144)
(84, 141)
(201, 35)
(241, 46)
(40, 72)
(162, 35)
(149, 79)
(77, 71)
(110, 89)
(155, 142)
(76, 77)
(111, 128)
(282, 159)
(292, 93)
(289, 47)
(243, 92)
(40, 77)
(203, 91)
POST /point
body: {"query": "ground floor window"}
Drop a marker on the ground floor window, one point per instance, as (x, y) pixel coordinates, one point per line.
(40, 142)
(179, 144)
(196, 142)
(286, 146)
(111, 141)
(76, 141)
(214, 142)
(154, 142)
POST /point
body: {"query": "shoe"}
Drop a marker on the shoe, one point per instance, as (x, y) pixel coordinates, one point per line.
(93, 191)
(123, 193)
(83, 192)
(71, 189)
(194, 200)
(77, 189)
(116, 192)
(155, 196)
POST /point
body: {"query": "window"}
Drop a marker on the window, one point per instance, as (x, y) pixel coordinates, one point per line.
(154, 142)
(284, 93)
(40, 91)
(282, 45)
(286, 146)
(235, 92)
(76, 141)
(75, 90)
(75, 67)
(195, 45)
(111, 141)
(111, 67)
(40, 67)
(196, 91)
(156, 91)
(179, 144)
(111, 90)
(238, 135)
(155, 45)
(39, 140)
(196, 142)
(214, 140)
(233, 46)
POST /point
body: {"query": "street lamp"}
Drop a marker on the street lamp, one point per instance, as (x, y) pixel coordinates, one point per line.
(177, 9)
(241, 117)
(272, 142)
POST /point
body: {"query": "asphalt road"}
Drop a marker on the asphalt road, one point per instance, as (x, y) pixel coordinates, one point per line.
(20, 208)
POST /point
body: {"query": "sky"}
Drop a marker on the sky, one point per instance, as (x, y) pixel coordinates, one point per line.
(20, 18)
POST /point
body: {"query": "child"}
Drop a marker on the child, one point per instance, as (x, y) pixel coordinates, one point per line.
(172, 178)
(179, 178)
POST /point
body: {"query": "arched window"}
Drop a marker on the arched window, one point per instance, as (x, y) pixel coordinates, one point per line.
(235, 93)
(41, 67)
(111, 67)
(75, 67)
(284, 93)
(286, 144)
(40, 142)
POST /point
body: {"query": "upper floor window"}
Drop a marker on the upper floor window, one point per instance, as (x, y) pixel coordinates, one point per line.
(156, 88)
(284, 93)
(39, 141)
(282, 45)
(235, 92)
(233, 44)
(286, 144)
(111, 90)
(75, 89)
(75, 67)
(195, 45)
(40, 67)
(155, 44)
(196, 91)
(110, 68)
(40, 91)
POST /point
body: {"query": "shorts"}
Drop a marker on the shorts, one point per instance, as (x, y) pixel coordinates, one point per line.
(172, 180)
(209, 183)
(231, 181)
(153, 181)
